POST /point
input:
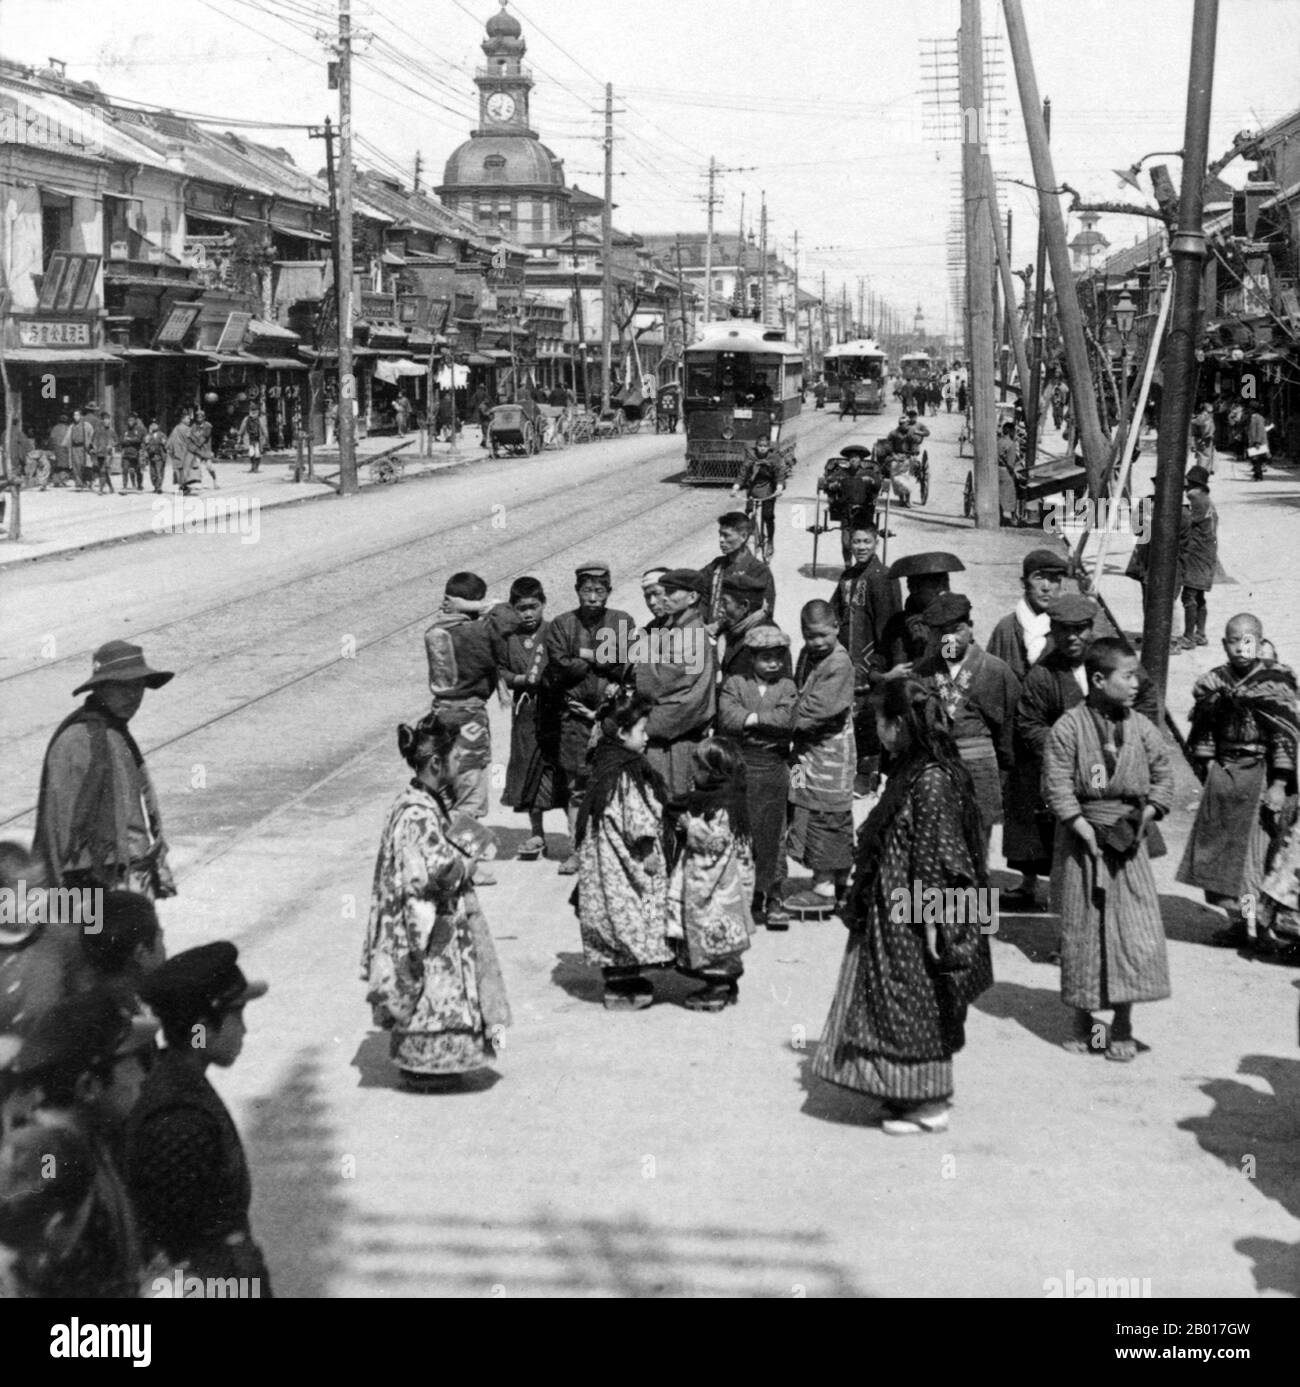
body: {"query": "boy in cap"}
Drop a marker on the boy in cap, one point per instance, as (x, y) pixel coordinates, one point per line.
(185, 1164)
(821, 782)
(865, 599)
(906, 637)
(77, 1077)
(979, 693)
(680, 683)
(1198, 556)
(1245, 726)
(756, 709)
(587, 652)
(1106, 779)
(97, 819)
(734, 530)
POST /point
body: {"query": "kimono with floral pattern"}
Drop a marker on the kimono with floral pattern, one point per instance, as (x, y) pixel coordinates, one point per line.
(710, 890)
(429, 962)
(622, 883)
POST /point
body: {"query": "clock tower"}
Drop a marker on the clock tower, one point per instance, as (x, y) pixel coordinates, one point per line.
(504, 177)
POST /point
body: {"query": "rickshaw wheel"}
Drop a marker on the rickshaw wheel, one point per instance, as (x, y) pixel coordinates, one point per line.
(494, 445)
(968, 497)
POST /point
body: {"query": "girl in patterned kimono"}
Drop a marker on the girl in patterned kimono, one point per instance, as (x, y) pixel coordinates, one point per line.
(709, 918)
(1107, 778)
(621, 897)
(429, 961)
(900, 1007)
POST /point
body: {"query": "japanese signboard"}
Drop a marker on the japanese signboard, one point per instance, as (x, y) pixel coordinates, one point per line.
(69, 281)
(41, 332)
(177, 325)
(232, 335)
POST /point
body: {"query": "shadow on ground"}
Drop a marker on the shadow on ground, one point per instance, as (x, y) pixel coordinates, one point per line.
(830, 1103)
(1257, 1134)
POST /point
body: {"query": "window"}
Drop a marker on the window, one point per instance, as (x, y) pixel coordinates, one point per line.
(56, 225)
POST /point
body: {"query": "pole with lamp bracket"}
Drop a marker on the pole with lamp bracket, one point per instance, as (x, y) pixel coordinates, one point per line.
(1125, 314)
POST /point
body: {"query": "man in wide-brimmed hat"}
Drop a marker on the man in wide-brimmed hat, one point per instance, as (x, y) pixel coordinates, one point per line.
(97, 820)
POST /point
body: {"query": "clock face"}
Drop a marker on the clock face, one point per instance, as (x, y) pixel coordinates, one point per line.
(501, 106)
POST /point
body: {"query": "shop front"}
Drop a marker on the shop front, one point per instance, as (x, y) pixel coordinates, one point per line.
(56, 365)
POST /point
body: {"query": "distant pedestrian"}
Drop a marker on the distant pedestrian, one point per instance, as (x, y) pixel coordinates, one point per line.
(908, 976)
(154, 450)
(61, 469)
(1203, 437)
(201, 439)
(185, 1163)
(709, 919)
(252, 437)
(1107, 778)
(429, 961)
(81, 449)
(401, 414)
(621, 896)
(1257, 449)
(104, 441)
(480, 412)
(132, 442)
(97, 819)
(181, 450)
(1198, 557)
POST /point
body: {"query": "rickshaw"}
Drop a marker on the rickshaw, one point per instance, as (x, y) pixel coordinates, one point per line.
(668, 408)
(516, 429)
(849, 486)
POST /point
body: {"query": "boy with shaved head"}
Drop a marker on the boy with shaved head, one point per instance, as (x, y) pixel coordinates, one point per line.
(1245, 725)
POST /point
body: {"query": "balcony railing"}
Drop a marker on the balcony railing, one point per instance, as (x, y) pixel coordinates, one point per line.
(511, 70)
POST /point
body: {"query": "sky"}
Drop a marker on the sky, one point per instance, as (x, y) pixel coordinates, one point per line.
(822, 107)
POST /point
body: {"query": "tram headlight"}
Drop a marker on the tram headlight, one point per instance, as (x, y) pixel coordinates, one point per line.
(728, 433)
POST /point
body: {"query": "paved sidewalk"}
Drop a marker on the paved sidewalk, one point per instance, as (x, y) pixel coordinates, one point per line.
(64, 521)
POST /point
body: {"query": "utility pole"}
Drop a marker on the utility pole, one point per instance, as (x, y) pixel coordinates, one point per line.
(708, 243)
(347, 423)
(1010, 316)
(797, 340)
(419, 167)
(1033, 404)
(681, 295)
(762, 259)
(825, 340)
(606, 252)
(862, 301)
(741, 291)
(1083, 399)
(976, 191)
(581, 346)
(1188, 253)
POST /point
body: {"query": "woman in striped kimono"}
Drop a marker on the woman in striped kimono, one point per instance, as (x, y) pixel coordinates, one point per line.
(909, 974)
(1107, 778)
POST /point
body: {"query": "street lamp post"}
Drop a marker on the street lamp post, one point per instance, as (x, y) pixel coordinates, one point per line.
(1125, 313)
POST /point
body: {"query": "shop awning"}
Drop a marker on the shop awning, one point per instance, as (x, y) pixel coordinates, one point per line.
(391, 257)
(283, 363)
(261, 327)
(392, 371)
(478, 359)
(300, 235)
(226, 358)
(143, 351)
(40, 356)
(193, 214)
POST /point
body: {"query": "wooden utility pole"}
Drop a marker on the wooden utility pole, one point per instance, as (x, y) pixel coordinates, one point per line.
(862, 306)
(347, 423)
(681, 296)
(1083, 399)
(1033, 404)
(825, 338)
(976, 193)
(797, 340)
(762, 258)
(1010, 313)
(580, 348)
(607, 253)
(708, 243)
(1188, 254)
(419, 168)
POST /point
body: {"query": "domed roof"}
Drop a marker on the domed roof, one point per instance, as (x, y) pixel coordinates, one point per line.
(524, 161)
(503, 25)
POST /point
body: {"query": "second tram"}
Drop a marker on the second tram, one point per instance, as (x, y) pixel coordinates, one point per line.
(858, 366)
(743, 382)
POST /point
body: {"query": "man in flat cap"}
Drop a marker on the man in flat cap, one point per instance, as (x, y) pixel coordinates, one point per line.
(680, 679)
(979, 694)
(1198, 557)
(1020, 638)
(185, 1164)
(906, 637)
(77, 1076)
(1052, 687)
(97, 819)
(734, 531)
(587, 653)
(742, 608)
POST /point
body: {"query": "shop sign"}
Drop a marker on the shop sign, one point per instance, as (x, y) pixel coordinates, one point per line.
(40, 332)
(176, 326)
(232, 335)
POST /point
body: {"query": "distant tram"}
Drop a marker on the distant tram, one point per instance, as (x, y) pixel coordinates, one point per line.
(743, 382)
(860, 367)
(915, 366)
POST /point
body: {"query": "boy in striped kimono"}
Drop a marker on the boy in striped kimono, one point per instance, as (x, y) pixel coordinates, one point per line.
(1106, 778)
(826, 758)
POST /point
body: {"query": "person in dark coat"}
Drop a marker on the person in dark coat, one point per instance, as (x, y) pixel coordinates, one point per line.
(906, 637)
(865, 600)
(734, 531)
(587, 653)
(742, 608)
(1020, 638)
(1198, 556)
(97, 819)
(185, 1163)
(132, 442)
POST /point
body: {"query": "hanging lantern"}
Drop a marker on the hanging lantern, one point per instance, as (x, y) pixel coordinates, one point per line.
(211, 397)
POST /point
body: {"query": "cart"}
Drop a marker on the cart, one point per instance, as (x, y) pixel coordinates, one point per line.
(515, 429)
(1049, 478)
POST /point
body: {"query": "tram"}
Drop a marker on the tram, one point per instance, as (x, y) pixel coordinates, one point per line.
(860, 366)
(915, 366)
(744, 381)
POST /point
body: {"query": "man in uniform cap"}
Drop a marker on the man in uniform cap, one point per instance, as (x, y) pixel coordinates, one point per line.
(79, 1073)
(680, 680)
(1053, 686)
(734, 531)
(906, 637)
(979, 693)
(587, 654)
(185, 1163)
(742, 608)
(97, 819)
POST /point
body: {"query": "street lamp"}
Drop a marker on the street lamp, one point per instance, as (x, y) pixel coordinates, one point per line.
(1125, 314)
